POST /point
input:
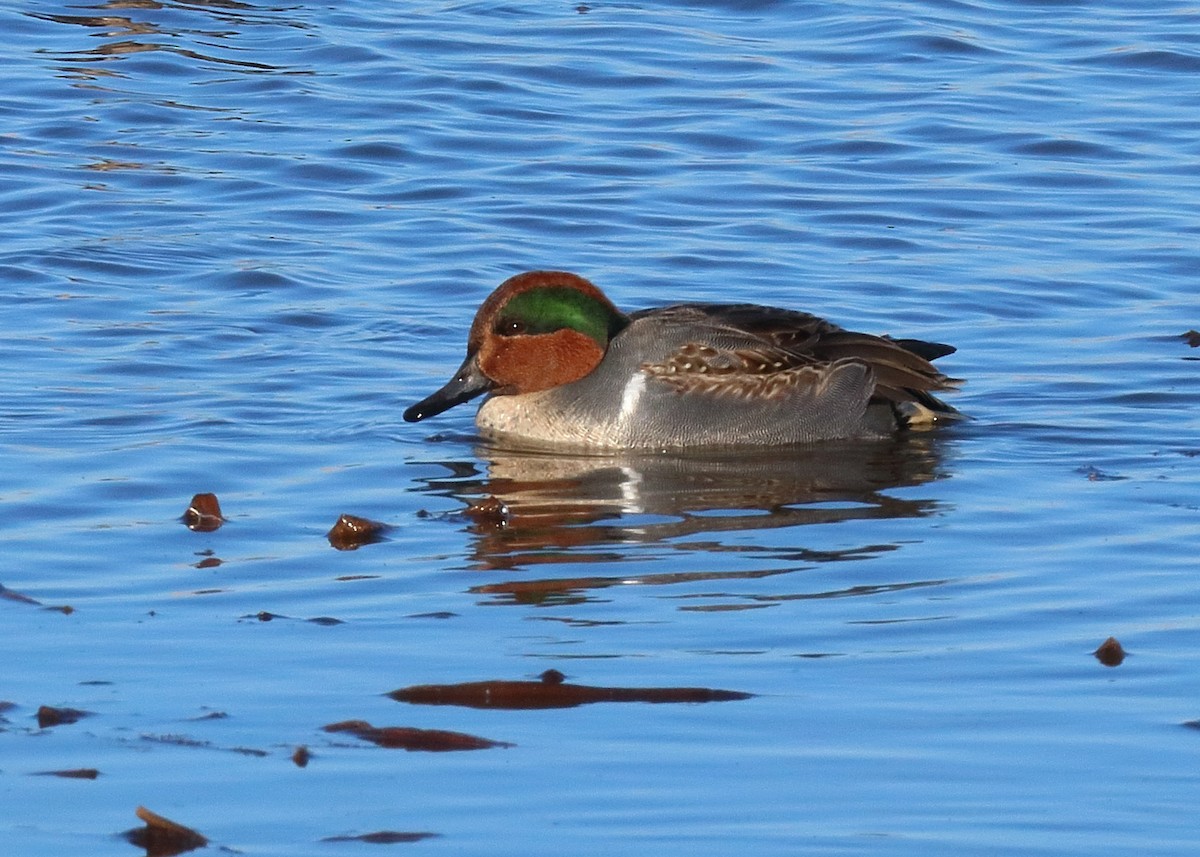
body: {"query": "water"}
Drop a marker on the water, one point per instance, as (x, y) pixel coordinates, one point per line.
(240, 239)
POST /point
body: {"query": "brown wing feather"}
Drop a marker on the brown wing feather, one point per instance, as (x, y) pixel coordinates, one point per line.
(751, 350)
(897, 369)
(745, 373)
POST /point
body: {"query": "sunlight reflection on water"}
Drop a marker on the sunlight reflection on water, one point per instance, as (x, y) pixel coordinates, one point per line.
(240, 239)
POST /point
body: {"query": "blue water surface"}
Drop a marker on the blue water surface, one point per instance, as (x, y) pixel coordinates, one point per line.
(240, 239)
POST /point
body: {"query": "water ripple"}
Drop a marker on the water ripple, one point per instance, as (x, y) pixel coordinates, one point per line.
(240, 238)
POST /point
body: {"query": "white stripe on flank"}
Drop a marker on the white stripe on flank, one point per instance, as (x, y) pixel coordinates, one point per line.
(633, 392)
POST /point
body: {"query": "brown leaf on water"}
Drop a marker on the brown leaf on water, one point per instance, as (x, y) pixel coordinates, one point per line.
(1110, 653)
(203, 514)
(488, 513)
(1192, 338)
(551, 692)
(383, 837)
(352, 532)
(162, 837)
(48, 716)
(71, 774)
(411, 738)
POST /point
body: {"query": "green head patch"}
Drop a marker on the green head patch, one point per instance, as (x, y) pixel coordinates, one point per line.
(551, 308)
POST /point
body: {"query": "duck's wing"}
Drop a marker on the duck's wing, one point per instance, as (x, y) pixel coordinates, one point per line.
(902, 372)
(754, 351)
(713, 350)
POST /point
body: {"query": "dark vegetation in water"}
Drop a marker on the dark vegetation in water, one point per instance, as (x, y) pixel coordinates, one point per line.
(551, 692)
(383, 837)
(11, 595)
(186, 741)
(71, 774)
(411, 738)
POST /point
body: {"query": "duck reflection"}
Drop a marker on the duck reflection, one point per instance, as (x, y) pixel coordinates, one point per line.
(529, 508)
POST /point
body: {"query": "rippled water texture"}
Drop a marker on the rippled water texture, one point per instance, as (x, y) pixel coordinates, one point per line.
(239, 239)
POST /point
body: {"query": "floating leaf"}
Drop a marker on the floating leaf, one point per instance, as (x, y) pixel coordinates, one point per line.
(203, 514)
(48, 716)
(490, 513)
(352, 532)
(1110, 653)
(162, 837)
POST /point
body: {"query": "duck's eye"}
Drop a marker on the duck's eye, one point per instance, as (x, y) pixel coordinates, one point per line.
(510, 327)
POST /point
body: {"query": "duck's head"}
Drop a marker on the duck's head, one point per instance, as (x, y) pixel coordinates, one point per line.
(538, 330)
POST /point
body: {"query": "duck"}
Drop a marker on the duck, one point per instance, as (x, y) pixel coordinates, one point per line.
(564, 368)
